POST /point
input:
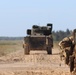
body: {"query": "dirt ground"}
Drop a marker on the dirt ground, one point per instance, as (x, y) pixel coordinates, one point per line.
(37, 63)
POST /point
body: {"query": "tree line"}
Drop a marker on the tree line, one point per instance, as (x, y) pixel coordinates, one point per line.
(59, 35)
(11, 38)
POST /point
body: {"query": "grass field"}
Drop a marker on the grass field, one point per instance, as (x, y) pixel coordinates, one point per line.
(8, 46)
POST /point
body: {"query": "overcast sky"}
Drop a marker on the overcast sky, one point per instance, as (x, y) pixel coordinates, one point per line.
(16, 16)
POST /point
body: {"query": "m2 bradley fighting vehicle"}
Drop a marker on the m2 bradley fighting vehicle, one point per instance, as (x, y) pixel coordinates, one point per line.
(38, 38)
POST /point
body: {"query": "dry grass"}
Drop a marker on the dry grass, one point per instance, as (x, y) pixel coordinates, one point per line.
(7, 46)
(56, 44)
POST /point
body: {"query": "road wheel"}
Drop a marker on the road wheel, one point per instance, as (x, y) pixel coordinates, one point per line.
(26, 50)
(49, 50)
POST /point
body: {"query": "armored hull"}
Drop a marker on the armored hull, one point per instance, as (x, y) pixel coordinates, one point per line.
(39, 38)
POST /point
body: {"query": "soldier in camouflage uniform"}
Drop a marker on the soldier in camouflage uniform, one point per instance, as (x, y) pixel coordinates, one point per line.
(66, 45)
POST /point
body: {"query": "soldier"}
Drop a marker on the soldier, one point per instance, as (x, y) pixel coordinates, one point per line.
(66, 45)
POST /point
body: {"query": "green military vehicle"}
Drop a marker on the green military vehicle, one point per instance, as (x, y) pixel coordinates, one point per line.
(38, 38)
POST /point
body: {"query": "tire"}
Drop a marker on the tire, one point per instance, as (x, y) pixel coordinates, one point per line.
(71, 64)
(49, 50)
(26, 50)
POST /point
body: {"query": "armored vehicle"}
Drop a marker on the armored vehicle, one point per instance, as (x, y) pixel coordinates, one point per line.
(38, 38)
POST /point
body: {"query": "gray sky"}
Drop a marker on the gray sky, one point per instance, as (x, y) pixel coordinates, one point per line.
(16, 16)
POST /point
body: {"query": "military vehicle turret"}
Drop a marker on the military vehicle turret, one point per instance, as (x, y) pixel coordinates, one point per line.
(38, 38)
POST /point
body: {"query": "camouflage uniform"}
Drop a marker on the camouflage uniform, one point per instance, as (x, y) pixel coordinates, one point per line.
(66, 46)
(66, 42)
